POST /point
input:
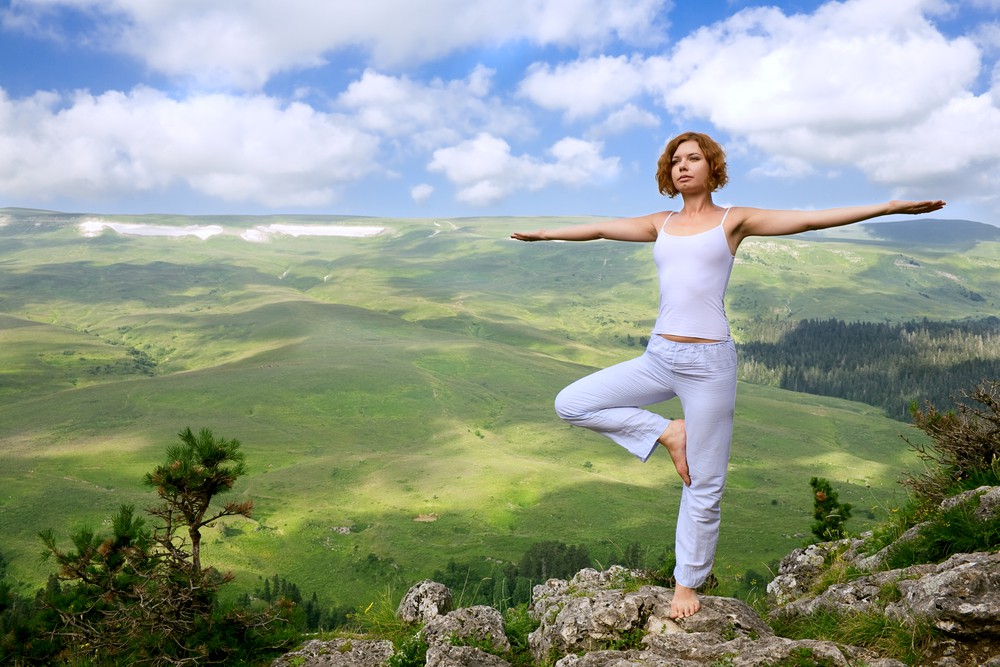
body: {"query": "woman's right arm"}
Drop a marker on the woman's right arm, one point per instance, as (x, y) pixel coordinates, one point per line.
(641, 229)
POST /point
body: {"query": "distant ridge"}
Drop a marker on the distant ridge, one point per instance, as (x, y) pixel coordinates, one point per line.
(934, 231)
(953, 233)
(17, 210)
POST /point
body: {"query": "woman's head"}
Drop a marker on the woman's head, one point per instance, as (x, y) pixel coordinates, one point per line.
(713, 152)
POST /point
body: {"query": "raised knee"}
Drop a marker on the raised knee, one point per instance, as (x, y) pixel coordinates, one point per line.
(567, 409)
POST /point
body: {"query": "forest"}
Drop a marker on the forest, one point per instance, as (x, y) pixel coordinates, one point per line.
(889, 366)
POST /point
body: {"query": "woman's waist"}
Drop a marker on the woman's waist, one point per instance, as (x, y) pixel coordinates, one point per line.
(689, 339)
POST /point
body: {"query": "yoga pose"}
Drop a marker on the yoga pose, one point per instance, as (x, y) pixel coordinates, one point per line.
(691, 354)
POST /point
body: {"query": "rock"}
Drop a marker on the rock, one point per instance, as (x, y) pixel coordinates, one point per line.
(605, 619)
(707, 650)
(799, 570)
(445, 655)
(986, 506)
(704, 651)
(586, 622)
(868, 594)
(589, 613)
(424, 601)
(877, 560)
(961, 596)
(480, 625)
(340, 652)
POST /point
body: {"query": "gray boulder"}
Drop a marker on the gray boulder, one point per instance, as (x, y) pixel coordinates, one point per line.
(445, 655)
(424, 601)
(479, 626)
(339, 653)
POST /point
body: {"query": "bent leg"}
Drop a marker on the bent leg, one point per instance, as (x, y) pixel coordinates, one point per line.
(674, 438)
(610, 402)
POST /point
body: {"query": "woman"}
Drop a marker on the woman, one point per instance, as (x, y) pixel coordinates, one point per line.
(691, 354)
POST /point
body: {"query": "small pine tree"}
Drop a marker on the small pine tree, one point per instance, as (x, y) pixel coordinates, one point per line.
(828, 512)
(141, 595)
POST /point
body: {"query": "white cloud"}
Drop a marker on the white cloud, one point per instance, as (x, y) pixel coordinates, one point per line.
(237, 148)
(624, 119)
(862, 82)
(429, 115)
(957, 146)
(421, 193)
(586, 87)
(486, 172)
(836, 68)
(870, 85)
(243, 43)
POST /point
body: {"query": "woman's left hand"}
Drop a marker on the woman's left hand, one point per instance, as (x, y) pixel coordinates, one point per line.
(915, 207)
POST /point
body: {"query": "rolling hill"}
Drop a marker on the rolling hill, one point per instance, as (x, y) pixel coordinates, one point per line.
(393, 392)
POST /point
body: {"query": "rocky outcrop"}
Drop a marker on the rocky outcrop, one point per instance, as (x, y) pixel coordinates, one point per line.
(606, 619)
(959, 598)
(595, 619)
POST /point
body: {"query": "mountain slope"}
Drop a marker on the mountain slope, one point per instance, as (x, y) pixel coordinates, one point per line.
(380, 380)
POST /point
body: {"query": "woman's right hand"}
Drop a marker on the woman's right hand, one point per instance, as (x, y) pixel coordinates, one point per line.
(537, 235)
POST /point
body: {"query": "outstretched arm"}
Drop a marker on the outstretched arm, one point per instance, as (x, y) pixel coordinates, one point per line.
(763, 222)
(642, 228)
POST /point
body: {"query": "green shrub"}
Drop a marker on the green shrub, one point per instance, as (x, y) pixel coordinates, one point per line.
(518, 624)
(965, 444)
(411, 652)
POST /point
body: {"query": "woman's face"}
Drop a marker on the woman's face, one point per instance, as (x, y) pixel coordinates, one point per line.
(689, 169)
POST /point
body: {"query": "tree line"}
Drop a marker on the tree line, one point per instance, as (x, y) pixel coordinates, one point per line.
(889, 366)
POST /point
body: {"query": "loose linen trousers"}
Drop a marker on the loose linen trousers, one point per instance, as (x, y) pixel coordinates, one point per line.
(703, 377)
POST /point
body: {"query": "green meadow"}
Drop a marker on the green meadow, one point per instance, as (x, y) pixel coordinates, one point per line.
(393, 393)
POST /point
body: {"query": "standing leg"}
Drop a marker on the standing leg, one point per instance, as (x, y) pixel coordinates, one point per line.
(706, 385)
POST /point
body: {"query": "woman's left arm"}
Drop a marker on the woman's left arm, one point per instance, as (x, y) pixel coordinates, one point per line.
(764, 222)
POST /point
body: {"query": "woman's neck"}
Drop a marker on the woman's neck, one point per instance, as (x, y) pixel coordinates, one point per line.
(695, 204)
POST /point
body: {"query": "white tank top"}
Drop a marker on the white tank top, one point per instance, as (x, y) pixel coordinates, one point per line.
(694, 273)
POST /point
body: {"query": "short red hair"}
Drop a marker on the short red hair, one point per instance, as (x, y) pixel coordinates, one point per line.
(713, 153)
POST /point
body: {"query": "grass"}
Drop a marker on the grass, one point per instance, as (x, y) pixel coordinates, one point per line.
(375, 380)
(891, 638)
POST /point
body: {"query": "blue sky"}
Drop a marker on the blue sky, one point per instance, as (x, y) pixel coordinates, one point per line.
(443, 108)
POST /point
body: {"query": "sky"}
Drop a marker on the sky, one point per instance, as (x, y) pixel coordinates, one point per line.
(451, 108)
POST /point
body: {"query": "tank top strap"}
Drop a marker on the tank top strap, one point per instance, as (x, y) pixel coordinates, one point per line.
(724, 216)
(663, 227)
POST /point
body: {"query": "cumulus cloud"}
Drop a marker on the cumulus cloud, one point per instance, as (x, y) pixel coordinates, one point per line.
(588, 87)
(838, 68)
(856, 84)
(432, 114)
(624, 119)
(860, 83)
(242, 43)
(234, 148)
(486, 172)
(421, 193)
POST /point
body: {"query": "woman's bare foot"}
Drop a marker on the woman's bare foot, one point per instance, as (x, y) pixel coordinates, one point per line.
(674, 438)
(685, 602)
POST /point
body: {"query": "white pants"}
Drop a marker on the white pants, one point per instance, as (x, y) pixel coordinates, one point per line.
(703, 376)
